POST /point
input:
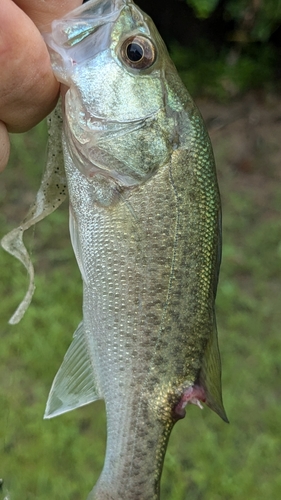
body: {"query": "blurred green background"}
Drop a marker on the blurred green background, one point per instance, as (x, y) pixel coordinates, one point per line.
(228, 54)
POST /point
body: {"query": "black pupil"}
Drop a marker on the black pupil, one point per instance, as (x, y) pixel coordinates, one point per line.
(134, 52)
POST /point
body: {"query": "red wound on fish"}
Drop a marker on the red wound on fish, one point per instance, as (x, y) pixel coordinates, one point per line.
(192, 395)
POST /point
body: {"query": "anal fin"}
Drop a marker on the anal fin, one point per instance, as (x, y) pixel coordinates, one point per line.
(74, 384)
(210, 376)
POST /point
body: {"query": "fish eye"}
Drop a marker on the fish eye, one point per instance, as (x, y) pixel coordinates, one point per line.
(138, 52)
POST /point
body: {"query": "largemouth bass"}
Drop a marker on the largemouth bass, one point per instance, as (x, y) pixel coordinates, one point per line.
(145, 228)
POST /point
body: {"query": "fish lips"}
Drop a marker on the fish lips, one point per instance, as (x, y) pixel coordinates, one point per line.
(81, 34)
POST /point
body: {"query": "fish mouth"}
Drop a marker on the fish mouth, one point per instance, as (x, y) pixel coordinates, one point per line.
(85, 20)
(93, 18)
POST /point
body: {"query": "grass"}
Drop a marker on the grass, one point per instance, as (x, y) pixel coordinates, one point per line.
(206, 459)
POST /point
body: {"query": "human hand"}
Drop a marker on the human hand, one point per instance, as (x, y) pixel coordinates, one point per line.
(28, 88)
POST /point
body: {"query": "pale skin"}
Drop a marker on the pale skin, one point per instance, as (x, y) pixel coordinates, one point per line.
(28, 88)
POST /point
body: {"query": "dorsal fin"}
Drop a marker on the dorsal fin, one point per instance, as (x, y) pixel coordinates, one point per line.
(74, 384)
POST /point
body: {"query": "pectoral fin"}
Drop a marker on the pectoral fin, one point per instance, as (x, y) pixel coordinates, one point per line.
(210, 376)
(74, 384)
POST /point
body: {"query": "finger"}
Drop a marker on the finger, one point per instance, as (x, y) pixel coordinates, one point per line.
(4, 146)
(43, 12)
(28, 88)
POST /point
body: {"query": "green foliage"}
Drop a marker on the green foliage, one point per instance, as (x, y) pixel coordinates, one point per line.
(203, 8)
(244, 59)
(226, 74)
(258, 20)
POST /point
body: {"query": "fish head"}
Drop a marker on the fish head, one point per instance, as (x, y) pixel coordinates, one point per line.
(122, 103)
